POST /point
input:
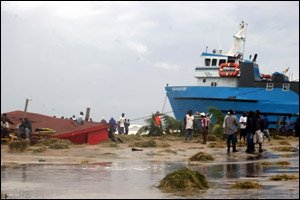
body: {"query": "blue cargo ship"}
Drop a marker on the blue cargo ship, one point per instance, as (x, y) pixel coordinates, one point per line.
(228, 81)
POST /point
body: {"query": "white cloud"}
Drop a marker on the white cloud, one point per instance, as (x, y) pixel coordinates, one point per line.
(137, 46)
(166, 66)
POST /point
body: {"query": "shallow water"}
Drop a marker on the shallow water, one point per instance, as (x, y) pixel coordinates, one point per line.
(137, 179)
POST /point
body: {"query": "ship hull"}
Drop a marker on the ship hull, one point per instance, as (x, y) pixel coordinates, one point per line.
(275, 103)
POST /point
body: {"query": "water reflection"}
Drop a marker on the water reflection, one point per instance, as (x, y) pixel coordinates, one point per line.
(134, 179)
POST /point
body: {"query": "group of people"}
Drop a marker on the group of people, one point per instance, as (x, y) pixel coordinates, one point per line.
(24, 128)
(253, 126)
(189, 124)
(122, 126)
(78, 120)
(286, 125)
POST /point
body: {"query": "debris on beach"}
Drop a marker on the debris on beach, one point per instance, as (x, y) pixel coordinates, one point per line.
(55, 143)
(285, 148)
(136, 149)
(219, 144)
(266, 163)
(148, 143)
(183, 180)
(201, 156)
(18, 146)
(246, 185)
(283, 177)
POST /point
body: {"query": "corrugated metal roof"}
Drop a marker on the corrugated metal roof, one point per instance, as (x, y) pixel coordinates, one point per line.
(44, 121)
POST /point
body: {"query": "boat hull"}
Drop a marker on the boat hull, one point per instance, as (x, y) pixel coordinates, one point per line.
(275, 103)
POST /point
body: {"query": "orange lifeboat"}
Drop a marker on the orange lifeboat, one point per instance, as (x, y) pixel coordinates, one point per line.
(229, 73)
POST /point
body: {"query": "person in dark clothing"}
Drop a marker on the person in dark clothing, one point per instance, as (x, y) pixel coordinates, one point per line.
(250, 132)
(258, 127)
(25, 128)
(112, 129)
(126, 125)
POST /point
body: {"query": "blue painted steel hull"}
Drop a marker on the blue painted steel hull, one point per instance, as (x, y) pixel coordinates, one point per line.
(275, 103)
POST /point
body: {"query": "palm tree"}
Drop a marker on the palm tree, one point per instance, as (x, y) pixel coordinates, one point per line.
(168, 123)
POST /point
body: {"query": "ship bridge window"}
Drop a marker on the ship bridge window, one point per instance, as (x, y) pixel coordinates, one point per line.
(207, 62)
(286, 87)
(214, 62)
(269, 87)
(221, 61)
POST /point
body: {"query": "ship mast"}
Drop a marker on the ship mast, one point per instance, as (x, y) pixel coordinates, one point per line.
(238, 38)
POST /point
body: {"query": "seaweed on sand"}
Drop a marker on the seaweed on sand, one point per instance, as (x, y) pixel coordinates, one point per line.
(283, 177)
(183, 180)
(246, 185)
(201, 156)
(18, 146)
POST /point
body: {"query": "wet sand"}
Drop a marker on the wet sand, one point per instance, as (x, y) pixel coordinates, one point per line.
(169, 148)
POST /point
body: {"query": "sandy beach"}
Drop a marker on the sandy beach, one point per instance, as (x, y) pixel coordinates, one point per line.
(169, 148)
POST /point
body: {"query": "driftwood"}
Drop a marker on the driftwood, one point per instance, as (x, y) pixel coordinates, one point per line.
(136, 149)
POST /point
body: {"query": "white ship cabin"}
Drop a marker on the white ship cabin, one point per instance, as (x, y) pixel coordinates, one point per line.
(208, 74)
(222, 69)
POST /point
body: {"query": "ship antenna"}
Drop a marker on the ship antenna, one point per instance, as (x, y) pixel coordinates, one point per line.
(244, 41)
(238, 38)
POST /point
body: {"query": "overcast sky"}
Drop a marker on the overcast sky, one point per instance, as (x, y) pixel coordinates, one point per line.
(117, 57)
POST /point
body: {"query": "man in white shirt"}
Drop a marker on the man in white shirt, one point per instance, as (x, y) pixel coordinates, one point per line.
(243, 124)
(122, 124)
(189, 125)
(80, 118)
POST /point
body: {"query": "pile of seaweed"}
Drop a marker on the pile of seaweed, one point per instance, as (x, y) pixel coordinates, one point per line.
(201, 156)
(183, 180)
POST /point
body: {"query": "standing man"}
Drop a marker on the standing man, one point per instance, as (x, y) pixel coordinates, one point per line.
(204, 126)
(157, 119)
(231, 124)
(122, 124)
(112, 129)
(189, 125)
(243, 125)
(127, 124)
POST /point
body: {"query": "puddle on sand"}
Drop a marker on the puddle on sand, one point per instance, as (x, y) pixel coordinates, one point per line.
(137, 179)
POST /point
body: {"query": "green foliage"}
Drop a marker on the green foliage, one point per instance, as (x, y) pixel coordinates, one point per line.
(218, 116)
(168, 124)
(217, 130)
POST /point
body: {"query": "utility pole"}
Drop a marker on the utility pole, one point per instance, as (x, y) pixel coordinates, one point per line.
(26, 105)
(87, 114)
